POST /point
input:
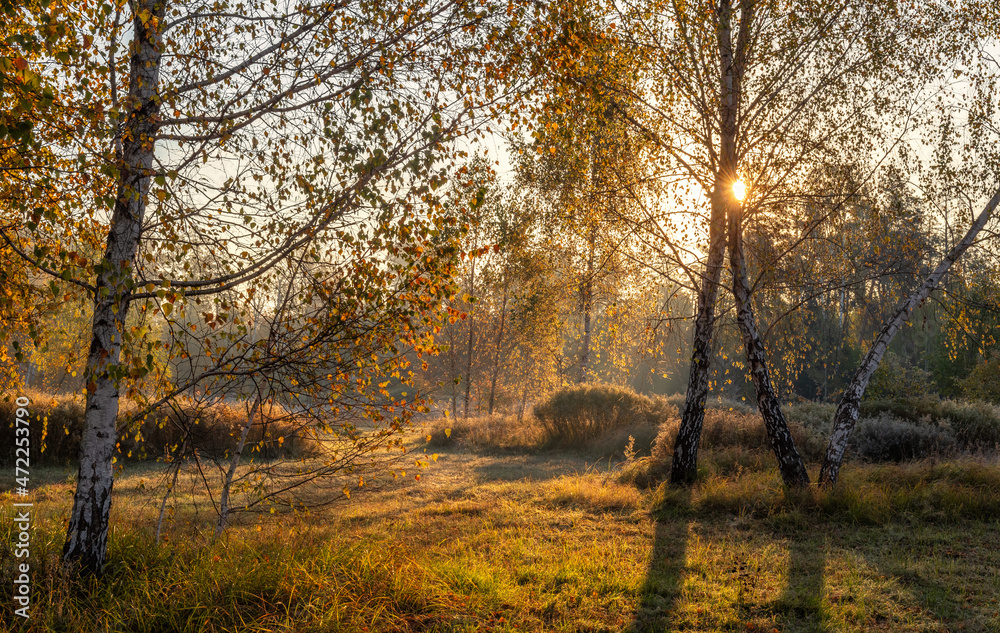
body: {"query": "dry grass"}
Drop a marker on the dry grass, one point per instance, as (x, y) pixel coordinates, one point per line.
(547, 543)
(495, 432)
(56, 423)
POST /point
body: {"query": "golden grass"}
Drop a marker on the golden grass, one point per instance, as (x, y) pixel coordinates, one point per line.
(546, 543)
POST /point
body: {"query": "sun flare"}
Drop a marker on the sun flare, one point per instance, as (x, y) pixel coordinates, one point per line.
(740, 189)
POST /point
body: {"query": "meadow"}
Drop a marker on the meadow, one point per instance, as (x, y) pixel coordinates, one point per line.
(496, 540)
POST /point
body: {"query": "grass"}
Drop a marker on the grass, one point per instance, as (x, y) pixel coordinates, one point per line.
(544, 542)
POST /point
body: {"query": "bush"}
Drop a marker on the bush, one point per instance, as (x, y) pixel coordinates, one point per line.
(983, 382)
(895, 379)
(729, 429)
(492, 432)
(577, 416)
(613, 443)
(57, 422)
(915, 409)
(975, 424)
(815, 417)
(889, 439)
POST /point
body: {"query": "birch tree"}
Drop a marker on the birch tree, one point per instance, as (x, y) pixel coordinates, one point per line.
(770, 93)
(320, 130)
(849, 407)
(976, 105)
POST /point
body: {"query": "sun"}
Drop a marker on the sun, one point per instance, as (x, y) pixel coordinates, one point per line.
(740, 189)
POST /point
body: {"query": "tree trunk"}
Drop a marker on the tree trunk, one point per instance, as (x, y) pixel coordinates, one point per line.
(468, 366)
(684, 466)
(850, 403)
(496, 357)
(166, 497)
(87, 535)
(227, 484)
(587, 305)
(453, 363)
(524, 402)
(793, 471)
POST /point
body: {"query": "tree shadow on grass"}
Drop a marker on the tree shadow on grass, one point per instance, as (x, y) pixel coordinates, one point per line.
(941, 569)
(800, 605)
(661, 590)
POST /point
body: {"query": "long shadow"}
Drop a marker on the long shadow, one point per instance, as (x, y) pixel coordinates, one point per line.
(661, 590)
(800, 605)
(912, 559)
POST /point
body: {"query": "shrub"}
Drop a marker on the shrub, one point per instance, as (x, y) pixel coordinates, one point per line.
(975, 424)
(886, 438)
(57, 422)
(983, 382)
(492, 432)
(816, 417)
(895, 379)
(214, 429)
(724, 404)
(920, 408)
(576, 416)
(612, 443)
(727, 429)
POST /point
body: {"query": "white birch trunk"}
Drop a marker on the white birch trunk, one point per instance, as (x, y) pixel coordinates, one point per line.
(793, 470)
(227, 484)
(166, 496)
(87, 535)
(684, 464)
(469, 349)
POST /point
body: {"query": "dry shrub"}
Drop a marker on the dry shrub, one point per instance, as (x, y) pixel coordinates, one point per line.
(734, 440)
(726, 429)
(489, 432)
(887, 438)
(975, 424)
(575, 417)
(214, 429)
(614, 442)
(57, 421)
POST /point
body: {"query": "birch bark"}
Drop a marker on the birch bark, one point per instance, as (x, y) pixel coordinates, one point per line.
(684, 465)
(87, 536)
(685, 460)
(227, 485)
(793, 471)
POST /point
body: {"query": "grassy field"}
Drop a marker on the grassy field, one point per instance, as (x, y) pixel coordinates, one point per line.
(544, 542)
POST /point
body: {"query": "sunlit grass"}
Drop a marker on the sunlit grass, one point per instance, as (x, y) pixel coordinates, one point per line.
(546, 543)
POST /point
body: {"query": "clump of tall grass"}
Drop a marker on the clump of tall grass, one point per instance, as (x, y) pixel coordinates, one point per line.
(575, 417)
(269, 580)
(56, 424)
(489, 432)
